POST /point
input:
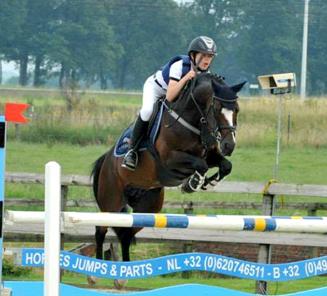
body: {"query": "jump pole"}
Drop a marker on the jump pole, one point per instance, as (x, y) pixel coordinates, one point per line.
(294, 224)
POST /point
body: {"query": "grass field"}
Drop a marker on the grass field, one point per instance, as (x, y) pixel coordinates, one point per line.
(297, 165)
(97, 121)
(100, 118)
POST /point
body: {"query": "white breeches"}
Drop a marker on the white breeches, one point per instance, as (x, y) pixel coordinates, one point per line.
(151, 93)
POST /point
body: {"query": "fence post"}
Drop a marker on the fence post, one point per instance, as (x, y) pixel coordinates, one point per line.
(312, 211)
(187, 247)
(264, 254)
(63, 196)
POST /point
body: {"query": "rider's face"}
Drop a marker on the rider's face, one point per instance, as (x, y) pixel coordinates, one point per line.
(203, 60)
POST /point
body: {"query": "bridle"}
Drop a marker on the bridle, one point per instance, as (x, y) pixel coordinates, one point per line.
(208, 136)
(221, 127)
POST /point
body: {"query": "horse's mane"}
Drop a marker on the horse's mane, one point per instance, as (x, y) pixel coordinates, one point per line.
(191, 86)
(204, 83)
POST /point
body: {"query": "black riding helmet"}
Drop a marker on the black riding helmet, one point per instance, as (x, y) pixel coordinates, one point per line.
(202, 44)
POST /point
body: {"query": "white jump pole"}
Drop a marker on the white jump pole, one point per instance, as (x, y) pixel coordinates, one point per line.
(293, 224)
(52, 229)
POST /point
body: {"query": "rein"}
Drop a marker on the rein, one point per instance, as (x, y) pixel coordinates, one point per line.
(181, 120)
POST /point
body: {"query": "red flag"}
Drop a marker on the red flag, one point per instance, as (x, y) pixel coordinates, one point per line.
(13, 112)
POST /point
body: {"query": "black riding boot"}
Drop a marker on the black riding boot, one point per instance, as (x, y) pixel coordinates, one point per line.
(140, 130)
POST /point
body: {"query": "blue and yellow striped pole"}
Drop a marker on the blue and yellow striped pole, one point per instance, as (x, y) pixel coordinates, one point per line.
(254, 223)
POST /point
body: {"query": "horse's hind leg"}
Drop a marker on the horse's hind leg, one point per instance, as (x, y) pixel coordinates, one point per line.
(100, 234)
(149, 201)
(126, 237)
(142, 201)
(112, 252)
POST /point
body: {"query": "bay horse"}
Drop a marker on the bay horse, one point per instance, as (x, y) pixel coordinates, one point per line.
(186, 146)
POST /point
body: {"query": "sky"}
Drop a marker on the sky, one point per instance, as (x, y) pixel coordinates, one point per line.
(9, 70)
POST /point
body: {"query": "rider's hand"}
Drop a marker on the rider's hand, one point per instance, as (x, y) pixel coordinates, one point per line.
(190, 75)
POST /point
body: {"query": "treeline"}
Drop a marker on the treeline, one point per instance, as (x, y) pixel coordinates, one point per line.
(118, 43)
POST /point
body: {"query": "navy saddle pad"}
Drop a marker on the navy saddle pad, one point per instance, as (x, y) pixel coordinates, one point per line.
(122, 144)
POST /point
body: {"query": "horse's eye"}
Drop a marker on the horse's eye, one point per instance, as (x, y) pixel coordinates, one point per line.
(218, 107)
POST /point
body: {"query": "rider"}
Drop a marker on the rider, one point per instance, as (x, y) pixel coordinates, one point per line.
(169, 81)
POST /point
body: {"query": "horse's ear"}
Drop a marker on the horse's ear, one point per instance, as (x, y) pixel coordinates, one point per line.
(236, 88)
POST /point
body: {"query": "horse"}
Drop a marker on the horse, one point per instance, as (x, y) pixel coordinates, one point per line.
(195, 133)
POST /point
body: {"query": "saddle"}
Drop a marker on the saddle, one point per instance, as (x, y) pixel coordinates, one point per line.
(122, 145)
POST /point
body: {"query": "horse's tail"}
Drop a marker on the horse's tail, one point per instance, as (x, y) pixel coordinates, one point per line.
(96, 172)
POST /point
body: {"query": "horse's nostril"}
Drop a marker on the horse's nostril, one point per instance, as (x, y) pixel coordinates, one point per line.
(227, 146)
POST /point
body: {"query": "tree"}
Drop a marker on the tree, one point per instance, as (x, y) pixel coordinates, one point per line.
(271, 38)
(317, 47)
(39, 28)
(150, 33)
(12, 17)
(85, 40)
(220, 20)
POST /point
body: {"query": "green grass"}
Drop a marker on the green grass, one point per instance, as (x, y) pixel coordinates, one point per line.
(41, 98)
(100, 118)
(74, 159)
(297, 165)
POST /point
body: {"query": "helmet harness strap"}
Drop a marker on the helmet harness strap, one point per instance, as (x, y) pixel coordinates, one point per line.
(195, 65)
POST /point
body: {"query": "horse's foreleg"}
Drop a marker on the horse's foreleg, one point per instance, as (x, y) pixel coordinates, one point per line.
(190, 165)
(224, 169)
(194, 183)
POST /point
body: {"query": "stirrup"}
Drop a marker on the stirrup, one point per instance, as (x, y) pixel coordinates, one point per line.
(130, 160)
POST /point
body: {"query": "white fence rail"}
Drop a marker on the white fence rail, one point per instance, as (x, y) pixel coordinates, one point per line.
(223, 187)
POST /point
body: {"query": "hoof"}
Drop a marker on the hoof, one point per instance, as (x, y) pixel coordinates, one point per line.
(120, 284)
(91, 280)
(186, 188)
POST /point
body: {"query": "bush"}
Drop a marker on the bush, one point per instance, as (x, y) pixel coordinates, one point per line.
(9, 269)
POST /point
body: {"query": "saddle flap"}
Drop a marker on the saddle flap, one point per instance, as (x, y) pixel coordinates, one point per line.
(122, 145)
